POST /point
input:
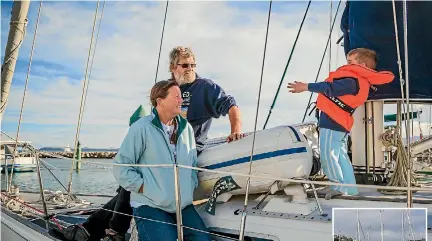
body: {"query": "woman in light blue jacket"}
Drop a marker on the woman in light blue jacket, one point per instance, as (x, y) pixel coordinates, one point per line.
(163, 137)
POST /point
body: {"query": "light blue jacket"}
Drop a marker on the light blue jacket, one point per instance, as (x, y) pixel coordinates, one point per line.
(146, 143)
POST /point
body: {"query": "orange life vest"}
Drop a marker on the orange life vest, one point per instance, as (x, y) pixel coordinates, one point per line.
(341, 108)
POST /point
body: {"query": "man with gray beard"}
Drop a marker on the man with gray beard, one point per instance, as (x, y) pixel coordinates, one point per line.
(203, 99)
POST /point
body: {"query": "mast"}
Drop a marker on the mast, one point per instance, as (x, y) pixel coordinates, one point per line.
(18, 24)
(368, 234)
(358, 226)
(382, 227)
(403, 226)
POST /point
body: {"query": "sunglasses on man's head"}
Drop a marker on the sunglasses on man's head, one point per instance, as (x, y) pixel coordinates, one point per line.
(185, 66)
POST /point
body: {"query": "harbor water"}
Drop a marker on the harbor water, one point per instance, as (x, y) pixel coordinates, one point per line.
(91, 179)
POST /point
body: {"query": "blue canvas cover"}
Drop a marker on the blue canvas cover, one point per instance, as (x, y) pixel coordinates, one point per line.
(370, 24)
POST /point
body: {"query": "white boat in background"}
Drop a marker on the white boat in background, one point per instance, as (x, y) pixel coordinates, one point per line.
(25, 161)
(67, 149)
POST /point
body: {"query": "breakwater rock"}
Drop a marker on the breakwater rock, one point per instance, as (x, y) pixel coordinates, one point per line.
(98, 154)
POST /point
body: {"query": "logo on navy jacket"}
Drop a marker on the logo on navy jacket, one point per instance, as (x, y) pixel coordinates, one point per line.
(186, 96)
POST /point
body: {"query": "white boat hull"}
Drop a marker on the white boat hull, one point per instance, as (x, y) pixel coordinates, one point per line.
(16, 228)
(19, 168)
(277, 219)
(291, 221)
(22, 164)
(279, 152)
(266, 226)
(25, 161)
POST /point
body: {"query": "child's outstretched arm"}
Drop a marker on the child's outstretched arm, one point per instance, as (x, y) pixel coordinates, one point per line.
(346, 86)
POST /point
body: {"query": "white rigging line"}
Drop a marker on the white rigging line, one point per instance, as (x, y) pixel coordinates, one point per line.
(368, 234)
(58, 200)
(94, 51)
(167, 223)
(265, 177)
(382, 226)
(402, 174)
(430, 119)
(358, 226)
(24, 96)
(83, 97)
(409, 224)
(244, 213)
(213, 171)
(362, 231)
(405, 24)
(330, 43)
(399, 61)
(403, 226)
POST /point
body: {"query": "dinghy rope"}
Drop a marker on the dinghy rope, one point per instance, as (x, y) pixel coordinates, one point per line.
(24, 95)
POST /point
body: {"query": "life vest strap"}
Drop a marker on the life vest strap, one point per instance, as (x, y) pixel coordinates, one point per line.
(341, 104)
(314, 109)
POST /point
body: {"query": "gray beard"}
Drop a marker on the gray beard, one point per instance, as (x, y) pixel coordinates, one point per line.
(182, 80)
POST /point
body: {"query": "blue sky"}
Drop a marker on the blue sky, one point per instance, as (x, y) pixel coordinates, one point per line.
(345, 223)
(227, 37)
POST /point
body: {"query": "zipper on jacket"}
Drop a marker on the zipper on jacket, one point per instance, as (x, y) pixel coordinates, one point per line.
(173, 159)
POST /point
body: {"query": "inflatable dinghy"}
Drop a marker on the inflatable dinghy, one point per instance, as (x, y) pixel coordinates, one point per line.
(281, 151)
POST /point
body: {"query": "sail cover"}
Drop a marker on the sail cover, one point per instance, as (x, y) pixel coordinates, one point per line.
(370, 24)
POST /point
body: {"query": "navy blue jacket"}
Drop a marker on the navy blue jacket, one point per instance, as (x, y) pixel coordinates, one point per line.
(203, 100)
(340, 87)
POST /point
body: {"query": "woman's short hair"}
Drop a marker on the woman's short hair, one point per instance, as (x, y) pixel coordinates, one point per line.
(160, 90)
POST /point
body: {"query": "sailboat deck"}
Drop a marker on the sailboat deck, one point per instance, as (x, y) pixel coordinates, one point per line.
(228, 215)
(369, 198)
(420, 197)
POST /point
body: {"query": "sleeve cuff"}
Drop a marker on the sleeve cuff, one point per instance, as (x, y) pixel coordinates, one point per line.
(313, 87)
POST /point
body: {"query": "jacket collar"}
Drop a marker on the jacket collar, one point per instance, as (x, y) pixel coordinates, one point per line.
(374, 77)
(182, 122)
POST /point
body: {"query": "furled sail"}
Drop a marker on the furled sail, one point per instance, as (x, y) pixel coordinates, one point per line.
(370, 24)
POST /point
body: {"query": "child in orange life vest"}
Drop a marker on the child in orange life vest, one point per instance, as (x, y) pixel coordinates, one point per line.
(338, 96)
